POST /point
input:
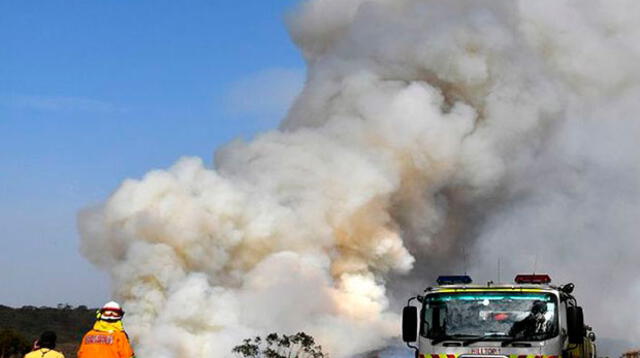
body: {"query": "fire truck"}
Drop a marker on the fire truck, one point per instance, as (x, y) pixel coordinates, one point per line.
(527, 319)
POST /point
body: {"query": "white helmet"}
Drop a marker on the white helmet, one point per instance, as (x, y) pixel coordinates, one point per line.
(111, 311)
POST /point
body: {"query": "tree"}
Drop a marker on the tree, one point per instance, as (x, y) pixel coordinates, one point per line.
(299, 345)
(13, 344)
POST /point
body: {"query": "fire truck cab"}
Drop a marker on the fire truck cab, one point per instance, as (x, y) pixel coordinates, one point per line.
(528, 319)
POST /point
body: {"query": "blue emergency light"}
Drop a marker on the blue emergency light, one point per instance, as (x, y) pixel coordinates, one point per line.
(453, 280)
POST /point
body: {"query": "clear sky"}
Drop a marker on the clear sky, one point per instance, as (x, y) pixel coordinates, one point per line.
(93, 92)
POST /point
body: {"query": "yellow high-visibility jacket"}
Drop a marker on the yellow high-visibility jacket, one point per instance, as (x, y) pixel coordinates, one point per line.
(44, 353)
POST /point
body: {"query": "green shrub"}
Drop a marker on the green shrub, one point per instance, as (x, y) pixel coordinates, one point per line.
(300, 345)
(13, 344)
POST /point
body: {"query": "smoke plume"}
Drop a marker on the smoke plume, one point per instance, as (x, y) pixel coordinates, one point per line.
(427, 130)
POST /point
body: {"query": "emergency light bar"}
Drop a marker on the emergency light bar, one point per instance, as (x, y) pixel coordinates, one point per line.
(535, 279)
(453, 279)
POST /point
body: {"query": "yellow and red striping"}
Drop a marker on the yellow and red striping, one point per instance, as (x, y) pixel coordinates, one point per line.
(510, 356)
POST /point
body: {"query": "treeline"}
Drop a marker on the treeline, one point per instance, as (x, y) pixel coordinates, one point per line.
(19, 327)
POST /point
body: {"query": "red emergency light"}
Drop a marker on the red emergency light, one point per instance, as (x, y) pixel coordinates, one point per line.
(539, 279)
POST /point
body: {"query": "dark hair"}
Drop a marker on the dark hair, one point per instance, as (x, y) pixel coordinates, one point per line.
(47, 340)
(539, 307)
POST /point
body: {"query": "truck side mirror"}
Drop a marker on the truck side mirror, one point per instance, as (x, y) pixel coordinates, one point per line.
(575, 325)
(410, 324)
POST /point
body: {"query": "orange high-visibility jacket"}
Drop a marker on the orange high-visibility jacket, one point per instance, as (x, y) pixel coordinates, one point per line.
(100, 344)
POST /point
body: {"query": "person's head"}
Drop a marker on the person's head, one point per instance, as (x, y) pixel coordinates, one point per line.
(539, 307)
(47, 340)
(111, 312)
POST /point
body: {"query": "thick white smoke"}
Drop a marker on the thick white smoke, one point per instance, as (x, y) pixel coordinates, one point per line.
(424, 126)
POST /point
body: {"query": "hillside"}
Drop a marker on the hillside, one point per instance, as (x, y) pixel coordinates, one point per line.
(68, 322)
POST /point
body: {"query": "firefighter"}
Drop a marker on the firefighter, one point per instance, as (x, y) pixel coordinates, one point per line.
(532, 325)
(107, 339)
(43, 347)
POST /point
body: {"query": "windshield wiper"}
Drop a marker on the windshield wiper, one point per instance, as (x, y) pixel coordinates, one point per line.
(511, 341)
(522, 339)
(455, 337)
(483, 338)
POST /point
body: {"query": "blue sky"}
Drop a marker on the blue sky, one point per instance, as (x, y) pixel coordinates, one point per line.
(93, 92)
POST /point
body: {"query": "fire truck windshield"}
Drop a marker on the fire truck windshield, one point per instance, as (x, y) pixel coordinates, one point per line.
(475, 316)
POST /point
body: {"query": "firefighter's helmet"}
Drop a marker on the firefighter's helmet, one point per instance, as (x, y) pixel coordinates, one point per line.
(111, 311)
